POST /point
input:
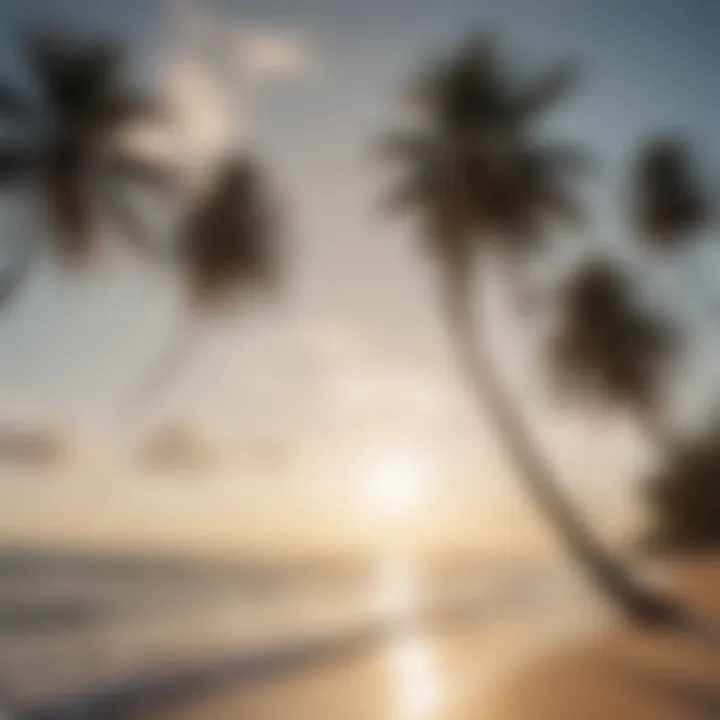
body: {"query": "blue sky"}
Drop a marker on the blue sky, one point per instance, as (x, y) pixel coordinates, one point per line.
(352, 354)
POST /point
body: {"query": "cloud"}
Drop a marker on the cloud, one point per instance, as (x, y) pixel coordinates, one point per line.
(207, 68)
(179, 448)
(184, 449)
(415, 391)
(269, 54)
(199, 104)
(209, 72)
(195, 85)
(39, 447)
(201, 123)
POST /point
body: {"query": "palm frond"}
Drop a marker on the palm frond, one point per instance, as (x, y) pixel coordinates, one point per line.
(670, 200)
(465, 89)
(84, 100)
(607, 347)
(231, 240)
(52, 59)
(547, 90)
(77, 76)
(684, 495)
(474, 171)
(472, 92)
(98, 66)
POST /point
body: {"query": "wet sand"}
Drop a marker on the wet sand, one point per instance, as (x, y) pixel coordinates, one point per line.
(438, 673)
(622, 673)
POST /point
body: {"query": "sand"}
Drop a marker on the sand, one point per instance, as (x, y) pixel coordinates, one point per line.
(624, 673)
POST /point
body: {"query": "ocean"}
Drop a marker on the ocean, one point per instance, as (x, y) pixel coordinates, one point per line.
(110, 636)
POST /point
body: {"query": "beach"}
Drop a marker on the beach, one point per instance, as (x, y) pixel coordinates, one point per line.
(389, 640)
(386, 640)
(623, 672)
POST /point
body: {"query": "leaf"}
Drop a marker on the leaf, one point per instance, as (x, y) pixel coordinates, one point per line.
(547, 90)
(78, 76)
(50, 57)
(608, 342)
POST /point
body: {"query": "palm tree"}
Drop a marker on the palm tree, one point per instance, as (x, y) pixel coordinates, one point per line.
(481, 189)
(229, 248)
(609, 350)
(66, 145)
(669, 200)
(230, 244)
(684, 496)
(670, 203)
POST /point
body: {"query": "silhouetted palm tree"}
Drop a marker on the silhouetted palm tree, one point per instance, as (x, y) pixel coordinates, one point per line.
(66, 144)
(230, 244)
(229, 248)
(482, 189)
(684, 496)
(611, 351)
(670, 203)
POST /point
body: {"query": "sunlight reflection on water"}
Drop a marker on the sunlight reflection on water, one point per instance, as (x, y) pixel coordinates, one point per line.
(414, 670)
(412, 661)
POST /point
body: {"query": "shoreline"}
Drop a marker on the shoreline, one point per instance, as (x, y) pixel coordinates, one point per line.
(622, 672)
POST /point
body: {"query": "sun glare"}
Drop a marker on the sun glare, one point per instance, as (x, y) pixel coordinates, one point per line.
(395, 484)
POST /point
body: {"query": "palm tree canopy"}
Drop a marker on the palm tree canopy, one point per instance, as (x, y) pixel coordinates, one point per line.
(471, 90)
(82, 83)
(471, 170)
(670, 201)
(684, 495)
(607, 348)
(73, 157)
(231, 238)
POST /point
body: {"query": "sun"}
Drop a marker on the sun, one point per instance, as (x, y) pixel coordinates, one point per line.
(395, 484)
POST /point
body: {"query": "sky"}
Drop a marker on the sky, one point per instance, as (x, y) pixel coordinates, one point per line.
(279, 409)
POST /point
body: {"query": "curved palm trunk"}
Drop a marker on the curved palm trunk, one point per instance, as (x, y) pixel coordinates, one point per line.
(636, 602)
(168, 364)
